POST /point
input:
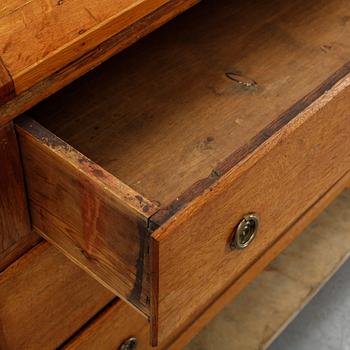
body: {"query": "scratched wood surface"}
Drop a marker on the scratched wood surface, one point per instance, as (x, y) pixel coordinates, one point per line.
(280, 181)
(96, 220)
(15, 231)
(171, 121)
(44, 299)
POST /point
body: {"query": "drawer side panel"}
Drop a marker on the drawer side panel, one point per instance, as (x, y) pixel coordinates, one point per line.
(97, 221)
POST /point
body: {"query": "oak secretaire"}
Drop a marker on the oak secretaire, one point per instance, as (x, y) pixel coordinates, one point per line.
(173, 172)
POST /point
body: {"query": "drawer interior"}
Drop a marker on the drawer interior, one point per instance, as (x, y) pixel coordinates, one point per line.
(206, 89)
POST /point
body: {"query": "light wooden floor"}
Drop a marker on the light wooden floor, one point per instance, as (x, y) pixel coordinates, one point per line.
(324, 323)
(263, 310)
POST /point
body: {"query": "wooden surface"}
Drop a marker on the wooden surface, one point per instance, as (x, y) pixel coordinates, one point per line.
(280, 181)
(265, 306)
(44, 299)
(259, 264)
(46, 45)
(111, 328)
(96, 220)
(171, 121)
(15, 230)
(39, 37)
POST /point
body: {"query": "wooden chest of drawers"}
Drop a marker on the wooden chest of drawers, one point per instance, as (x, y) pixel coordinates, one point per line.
(177, 170)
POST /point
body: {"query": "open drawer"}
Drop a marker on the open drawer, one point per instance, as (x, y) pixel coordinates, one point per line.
(142, 170)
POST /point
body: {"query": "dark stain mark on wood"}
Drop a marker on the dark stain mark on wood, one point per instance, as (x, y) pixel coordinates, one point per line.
(326, 48)
(143, 203)
(135, 295)
(45, 136)
(166, 212)
(345, 20)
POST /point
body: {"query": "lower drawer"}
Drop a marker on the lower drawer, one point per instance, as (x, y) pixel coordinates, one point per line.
(117, 325)
(44, 299)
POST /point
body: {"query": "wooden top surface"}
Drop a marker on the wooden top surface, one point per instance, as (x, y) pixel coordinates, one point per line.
(39, 37)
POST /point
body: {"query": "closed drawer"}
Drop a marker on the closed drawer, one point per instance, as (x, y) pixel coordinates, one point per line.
(141, 176)
(45, 299)
(115, 326)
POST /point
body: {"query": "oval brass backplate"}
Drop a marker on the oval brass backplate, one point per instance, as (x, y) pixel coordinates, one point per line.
(245, 232)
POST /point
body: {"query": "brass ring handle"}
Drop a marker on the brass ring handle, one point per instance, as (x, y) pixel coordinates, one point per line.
(129, 344)
(245, 232)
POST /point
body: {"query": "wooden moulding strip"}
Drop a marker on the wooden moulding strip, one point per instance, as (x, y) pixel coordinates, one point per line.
(7, 88)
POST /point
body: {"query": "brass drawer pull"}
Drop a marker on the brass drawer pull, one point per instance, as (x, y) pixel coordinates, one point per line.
(129, 344)
(245, 232)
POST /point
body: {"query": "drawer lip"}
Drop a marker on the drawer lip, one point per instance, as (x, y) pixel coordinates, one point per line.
(294, 121)
(168, 211)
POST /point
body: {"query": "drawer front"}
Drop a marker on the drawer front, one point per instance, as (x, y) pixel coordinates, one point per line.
(192, 260)
(45, 299)
(111, 329)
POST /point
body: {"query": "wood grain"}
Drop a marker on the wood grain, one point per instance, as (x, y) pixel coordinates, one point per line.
(266, 295)
(62, 66)
(171, 121)
(270, 302)
(111, 328)
(7, 89)
(281, 180)
(15, 231)
(232, 291)
(96, 220)
(39, 37)
(44, 299)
